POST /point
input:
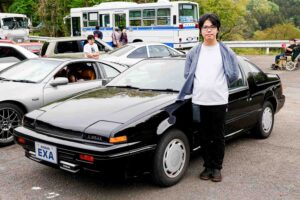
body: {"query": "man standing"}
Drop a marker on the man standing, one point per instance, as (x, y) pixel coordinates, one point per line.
(210, 68)
(98, 33)
(90, 49)
(116, 36)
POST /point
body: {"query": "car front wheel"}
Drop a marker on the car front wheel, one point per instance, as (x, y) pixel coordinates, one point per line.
(10, 118)
(266, 121)
(171, 158)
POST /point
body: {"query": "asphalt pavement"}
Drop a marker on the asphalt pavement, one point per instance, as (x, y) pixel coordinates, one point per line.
(253, 169)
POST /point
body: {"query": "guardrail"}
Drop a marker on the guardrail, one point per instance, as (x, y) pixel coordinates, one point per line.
(233, 44)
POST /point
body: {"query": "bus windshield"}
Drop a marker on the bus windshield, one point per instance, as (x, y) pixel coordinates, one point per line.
(15, 22)
(187, 13)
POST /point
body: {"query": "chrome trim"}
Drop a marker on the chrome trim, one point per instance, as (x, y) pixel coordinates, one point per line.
(198, 147)
(67, 163)
(231, 134)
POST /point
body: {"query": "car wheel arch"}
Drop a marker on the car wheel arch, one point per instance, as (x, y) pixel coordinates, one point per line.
(270, 97)
(17, 103)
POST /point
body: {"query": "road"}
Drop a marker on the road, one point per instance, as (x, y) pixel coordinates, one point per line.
(253, 169)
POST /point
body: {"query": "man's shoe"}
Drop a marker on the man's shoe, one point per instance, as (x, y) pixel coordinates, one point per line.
(216, 175)
(206, 174)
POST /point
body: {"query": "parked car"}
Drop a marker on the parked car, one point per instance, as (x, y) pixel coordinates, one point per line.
(11, 54)
(136, 123)
(34, 47)
(132, 53)
(37, 82)
(70, 47)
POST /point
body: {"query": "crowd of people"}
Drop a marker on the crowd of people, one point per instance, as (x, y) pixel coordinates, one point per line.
(119, 38)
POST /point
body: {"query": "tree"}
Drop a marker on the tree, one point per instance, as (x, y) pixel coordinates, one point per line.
(278, 32)
(231, 14)
(26, 7)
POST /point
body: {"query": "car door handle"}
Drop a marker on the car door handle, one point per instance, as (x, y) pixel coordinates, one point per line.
(35, 99)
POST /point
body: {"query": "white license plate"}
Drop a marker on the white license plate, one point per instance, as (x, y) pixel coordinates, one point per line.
(46, 152)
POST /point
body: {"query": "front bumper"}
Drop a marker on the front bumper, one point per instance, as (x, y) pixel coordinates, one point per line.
(106, 157)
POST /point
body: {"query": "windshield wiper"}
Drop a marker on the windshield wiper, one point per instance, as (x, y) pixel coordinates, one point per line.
(23, 81)
(124, 86)
(4, 79)
(162, 90)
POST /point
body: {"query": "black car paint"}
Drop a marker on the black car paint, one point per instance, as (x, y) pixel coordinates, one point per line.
(140, 115)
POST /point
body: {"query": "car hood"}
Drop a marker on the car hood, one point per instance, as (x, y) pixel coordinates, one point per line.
(106, 104)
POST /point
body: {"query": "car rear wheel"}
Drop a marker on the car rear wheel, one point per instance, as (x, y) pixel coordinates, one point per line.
(10, 118)
(265, 124)
(171, 158)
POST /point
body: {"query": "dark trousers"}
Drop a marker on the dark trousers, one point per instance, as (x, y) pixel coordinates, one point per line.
(212, 135)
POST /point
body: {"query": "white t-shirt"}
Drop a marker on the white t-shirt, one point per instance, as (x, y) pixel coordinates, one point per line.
(210, 85)
(90, 48)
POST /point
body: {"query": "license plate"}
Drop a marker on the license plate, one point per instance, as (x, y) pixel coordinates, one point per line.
(46, 152)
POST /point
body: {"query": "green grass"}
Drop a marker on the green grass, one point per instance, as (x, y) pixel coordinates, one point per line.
(256, 51)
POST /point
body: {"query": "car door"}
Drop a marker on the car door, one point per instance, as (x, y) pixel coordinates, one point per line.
(238, 105)
(68, 49)
(53, 93)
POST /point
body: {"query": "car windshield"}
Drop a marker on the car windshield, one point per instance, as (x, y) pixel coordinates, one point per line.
(15, 22)
(153, 74)
(30, 70)
(121, 51)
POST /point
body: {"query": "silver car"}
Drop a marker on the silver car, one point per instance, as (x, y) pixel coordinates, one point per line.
(34, 83)
(70, 47)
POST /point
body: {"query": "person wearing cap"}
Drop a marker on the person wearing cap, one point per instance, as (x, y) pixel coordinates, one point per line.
(287, 50)
(210, 68)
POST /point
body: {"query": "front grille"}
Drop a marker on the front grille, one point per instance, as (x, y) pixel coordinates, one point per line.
(49, 129)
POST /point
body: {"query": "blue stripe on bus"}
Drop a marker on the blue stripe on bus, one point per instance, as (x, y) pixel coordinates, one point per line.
(144, 28)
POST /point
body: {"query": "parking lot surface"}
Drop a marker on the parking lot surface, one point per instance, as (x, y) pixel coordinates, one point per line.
(253, 168)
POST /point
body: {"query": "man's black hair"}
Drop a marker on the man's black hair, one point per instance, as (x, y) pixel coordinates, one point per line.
(90, 37)
(97, 27)
(213, 18)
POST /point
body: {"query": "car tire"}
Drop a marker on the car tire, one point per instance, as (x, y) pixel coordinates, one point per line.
(265, 124)
(171, 158)
(10, 117)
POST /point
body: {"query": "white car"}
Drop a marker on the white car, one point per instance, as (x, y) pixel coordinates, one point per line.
(11, 54)
(134, 52)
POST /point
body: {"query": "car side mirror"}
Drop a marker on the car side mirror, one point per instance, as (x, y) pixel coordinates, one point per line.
(105, 81)
(59, 81)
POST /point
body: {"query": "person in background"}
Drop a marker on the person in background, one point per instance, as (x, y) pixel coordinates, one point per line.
(98, 33)
(116, 38)
(124, 39)
(90, 49)
(287, 50)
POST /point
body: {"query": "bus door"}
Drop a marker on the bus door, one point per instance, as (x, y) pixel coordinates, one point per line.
(76, 26)
(120, 20)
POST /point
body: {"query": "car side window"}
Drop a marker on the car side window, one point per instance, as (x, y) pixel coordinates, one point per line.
(67, 47)
(11, 52)
(110, 71)
(158, 51)
(138, 53)
(174, 53)
(258, 75)
(78, 72)
(240, 82)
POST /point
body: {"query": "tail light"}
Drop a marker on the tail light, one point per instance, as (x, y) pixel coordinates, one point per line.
(21, 140)
(196, 25)
(86, 157)
(180, 26)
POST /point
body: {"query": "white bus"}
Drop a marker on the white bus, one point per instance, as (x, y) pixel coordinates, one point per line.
(14, 27)
(172, 23)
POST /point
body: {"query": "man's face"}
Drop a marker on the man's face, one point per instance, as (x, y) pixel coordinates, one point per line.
(91, 42)
(209, 31)
(292, 42)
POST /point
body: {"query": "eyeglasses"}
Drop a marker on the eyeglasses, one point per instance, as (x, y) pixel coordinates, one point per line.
(206, 28)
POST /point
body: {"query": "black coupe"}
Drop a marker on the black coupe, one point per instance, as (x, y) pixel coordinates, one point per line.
(135, 123)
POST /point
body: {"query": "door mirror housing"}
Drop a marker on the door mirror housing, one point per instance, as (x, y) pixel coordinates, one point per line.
(59, 81)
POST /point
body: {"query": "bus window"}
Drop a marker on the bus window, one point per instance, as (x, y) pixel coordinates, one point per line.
(135, 18)
(84, 19)
(163, 16)
(104, 20)
(148, 17)
(93, 19)
(187, 13)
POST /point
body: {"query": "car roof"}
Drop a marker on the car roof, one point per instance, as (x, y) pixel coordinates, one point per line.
(138, 44)
(21, 49)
